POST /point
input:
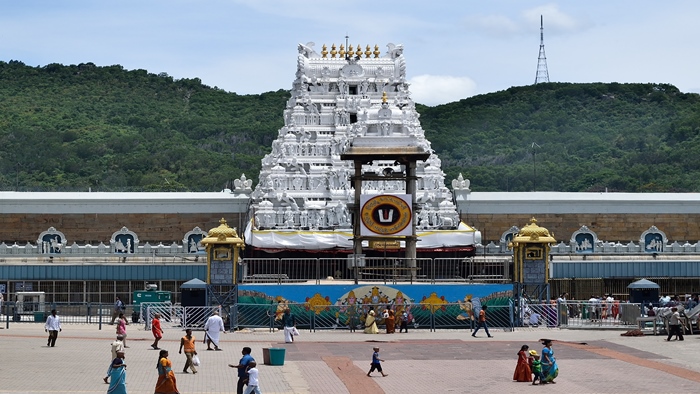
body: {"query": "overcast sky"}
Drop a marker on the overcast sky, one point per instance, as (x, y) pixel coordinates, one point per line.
(453, 49)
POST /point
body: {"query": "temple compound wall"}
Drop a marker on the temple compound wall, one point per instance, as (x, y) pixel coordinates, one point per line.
(614, 217)
(91, 218)
(610, 227)
(165, 217)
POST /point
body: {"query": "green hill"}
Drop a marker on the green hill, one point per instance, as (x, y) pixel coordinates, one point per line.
(584, 137)
(105, 128)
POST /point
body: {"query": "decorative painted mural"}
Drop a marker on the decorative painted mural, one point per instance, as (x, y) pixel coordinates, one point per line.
(337, 306)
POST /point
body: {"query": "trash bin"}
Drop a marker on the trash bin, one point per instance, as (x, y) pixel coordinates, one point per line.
(135, 317)
(266, 356)
(276, 356)
(40, 316)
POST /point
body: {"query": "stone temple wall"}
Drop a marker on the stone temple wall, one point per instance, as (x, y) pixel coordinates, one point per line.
(170, 227)
(92, 228)
(609, 227)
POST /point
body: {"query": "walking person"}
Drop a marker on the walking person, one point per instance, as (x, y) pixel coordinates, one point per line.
(156, 330)
(187, 342)
(118, 308)
(482, 322)
(117, 373)
(550, 369)
(53, 327)
(522, 368)
(253, 381)
(289, 323)
(674, 325)
(242, 367)
(213, 327)
(121, 328)
(167, 384)
(376, 363)
(117, 346)
(536, 368)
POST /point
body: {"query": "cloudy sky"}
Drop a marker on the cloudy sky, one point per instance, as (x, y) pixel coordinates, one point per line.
(454, 48)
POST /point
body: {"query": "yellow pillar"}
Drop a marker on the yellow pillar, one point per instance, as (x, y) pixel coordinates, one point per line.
(223, 246)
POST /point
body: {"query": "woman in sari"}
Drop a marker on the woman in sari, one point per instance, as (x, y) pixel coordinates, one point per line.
(166, 377)
(371, 324)
(390, 322)
(550, 369)
(117, 374)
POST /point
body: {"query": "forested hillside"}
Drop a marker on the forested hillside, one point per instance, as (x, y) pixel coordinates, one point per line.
(584, 137)
(108, 129)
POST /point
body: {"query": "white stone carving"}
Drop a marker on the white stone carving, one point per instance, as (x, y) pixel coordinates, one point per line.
(338, 103)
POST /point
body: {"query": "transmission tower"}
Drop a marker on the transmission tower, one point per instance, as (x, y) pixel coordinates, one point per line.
(542, 73)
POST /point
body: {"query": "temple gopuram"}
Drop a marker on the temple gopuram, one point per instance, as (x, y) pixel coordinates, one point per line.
(342, 98)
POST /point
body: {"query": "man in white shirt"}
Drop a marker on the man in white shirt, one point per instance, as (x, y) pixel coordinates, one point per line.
(213, 327)
(117, 346)
(593, 308)
(52, 326)
(253, 382)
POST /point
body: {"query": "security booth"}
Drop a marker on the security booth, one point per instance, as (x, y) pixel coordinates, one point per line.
(223, 249)
(644, 292)
(531, 250)
(193, 299)
(193, 293)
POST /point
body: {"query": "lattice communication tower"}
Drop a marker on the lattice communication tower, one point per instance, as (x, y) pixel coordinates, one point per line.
(542, 73)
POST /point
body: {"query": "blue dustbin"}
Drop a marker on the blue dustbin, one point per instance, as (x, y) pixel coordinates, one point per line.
(277, 356)
(40, 317)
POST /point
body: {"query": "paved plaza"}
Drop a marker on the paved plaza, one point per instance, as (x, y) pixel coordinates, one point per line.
(446, 361)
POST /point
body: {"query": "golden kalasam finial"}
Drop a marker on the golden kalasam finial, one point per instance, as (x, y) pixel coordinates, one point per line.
(333, 51)
(367, 51)
(342, 51)
(359, 51)
(324, 52)
(350, 51)
(384, 98)
(222, 221)
(376, 51)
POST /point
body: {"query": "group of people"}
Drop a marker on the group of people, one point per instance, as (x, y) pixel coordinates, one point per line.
(389, 320)
(167, 382)
(532, 367)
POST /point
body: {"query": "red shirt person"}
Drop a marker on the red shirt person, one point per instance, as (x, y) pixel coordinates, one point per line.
(156, 330)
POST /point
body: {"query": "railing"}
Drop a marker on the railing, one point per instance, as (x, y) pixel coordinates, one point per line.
(580, 314)
(381, 269)
(342, 317)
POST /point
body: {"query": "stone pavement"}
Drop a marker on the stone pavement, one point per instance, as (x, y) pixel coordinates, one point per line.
(449, 361)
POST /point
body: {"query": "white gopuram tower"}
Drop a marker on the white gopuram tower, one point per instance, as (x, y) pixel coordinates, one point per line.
(341, 99)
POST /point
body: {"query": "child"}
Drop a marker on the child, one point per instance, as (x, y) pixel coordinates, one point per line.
(522, 369)
(537, 368)
(376, 363)
(253, 384)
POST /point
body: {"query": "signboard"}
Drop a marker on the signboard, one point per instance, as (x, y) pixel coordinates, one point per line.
(386, 215)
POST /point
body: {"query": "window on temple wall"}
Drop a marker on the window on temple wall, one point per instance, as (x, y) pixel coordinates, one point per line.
(353, 89)
(353, 118)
